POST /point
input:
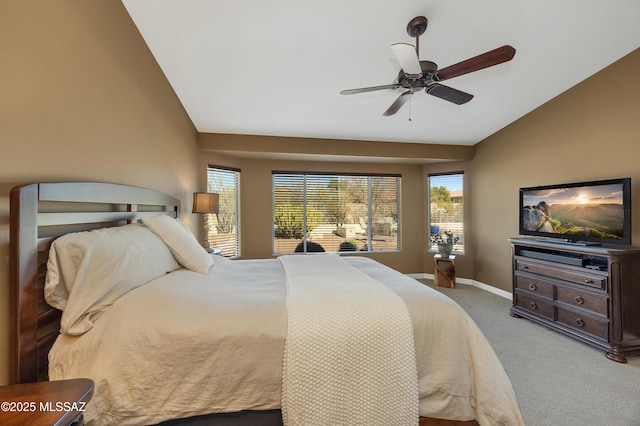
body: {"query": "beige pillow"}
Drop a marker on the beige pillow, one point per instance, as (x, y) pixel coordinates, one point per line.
(182, 243)
(88, 271)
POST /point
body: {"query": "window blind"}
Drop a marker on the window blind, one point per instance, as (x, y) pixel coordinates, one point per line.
(335, 213)
(223, 229)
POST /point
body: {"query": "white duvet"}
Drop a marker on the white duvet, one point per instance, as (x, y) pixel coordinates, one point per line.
(187, 344)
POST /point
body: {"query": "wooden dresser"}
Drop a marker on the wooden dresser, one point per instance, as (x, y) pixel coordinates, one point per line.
(590, 293)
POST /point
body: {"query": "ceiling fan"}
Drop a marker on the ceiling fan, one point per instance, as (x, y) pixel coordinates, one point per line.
(416, 75)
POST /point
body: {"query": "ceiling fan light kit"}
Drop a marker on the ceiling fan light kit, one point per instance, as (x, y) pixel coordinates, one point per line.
(416, 75)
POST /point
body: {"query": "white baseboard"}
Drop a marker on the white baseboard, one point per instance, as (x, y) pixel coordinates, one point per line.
(494, 290)
(467, 281)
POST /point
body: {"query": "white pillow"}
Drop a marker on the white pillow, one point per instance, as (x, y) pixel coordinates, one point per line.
(184, 246)
(88, 271)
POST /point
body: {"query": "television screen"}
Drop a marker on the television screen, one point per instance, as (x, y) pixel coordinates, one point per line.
(598, 211)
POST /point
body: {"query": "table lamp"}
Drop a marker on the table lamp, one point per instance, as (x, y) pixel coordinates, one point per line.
(206, 203)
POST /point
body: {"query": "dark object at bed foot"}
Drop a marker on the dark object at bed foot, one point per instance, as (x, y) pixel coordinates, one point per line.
(274, 418)
(262, 418)
(428, 421)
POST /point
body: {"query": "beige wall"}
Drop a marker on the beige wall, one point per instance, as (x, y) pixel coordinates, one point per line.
(256, 203)
(338, 150)
(590, 132)
(81, 98)
(239, 151)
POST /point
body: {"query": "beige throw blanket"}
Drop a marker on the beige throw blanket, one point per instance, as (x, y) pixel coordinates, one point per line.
(349, 353)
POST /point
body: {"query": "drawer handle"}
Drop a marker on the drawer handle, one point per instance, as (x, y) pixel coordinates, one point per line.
(533, 305)
(524, 267)
(532, 287)
(579, 300)
(588, 281)
(580, 322)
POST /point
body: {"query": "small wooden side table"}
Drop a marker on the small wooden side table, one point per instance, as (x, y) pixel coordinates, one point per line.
(445, 273)
(61, 402)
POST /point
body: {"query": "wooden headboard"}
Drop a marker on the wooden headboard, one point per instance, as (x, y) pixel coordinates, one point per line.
(40, 212)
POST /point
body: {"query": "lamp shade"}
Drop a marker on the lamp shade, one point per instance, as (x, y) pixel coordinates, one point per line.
(205, 202)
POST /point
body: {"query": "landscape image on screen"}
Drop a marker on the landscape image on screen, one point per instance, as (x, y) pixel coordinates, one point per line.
(591, 211)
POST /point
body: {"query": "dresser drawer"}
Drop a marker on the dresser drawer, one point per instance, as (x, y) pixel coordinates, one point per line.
(591, 279)
(534, 285)
(582, 300)
(583, 323)
(536, 306)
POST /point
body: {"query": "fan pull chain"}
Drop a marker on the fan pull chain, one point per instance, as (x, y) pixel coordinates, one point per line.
(409, 109)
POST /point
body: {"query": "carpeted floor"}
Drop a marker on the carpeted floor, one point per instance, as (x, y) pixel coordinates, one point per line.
(557, 380)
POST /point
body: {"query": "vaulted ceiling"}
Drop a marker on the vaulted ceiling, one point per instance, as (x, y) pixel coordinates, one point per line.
(277, 67)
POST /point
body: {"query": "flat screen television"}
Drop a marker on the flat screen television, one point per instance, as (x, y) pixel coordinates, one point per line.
(585, 212)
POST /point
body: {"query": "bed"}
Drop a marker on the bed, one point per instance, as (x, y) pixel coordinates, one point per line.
(217, 345)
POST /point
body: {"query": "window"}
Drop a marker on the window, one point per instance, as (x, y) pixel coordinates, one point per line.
(335, 213)
(445, 207)
(223, 228)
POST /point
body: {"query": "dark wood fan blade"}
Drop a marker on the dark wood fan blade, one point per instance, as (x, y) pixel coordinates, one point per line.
(369, 89)
(397, 104)
(450, 94)
(485, 60)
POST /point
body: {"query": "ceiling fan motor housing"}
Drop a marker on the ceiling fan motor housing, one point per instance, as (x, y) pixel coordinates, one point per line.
(417, 26)
(428, 70)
